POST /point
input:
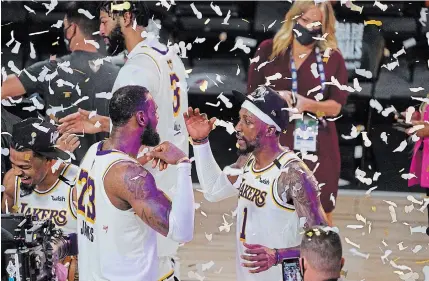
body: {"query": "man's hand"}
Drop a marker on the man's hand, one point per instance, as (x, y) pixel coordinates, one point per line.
(68, 142)
(198, 125)
(166, 153)
(261, 258)
(421, 133)
(80, 122)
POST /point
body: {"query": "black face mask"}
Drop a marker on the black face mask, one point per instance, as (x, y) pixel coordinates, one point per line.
(306, 37)
(66, 40)
(116, 41)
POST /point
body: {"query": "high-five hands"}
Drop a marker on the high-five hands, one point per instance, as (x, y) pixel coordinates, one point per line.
(198, 125)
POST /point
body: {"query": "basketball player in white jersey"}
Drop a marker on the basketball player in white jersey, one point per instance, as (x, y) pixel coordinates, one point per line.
(277, 194)
(152, 65)
(36, 185)
(120, 208)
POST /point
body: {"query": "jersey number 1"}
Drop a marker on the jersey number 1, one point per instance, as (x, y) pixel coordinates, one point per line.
(176, 90)
(243, 227)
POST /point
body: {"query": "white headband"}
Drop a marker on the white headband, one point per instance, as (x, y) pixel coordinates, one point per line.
(260, 114)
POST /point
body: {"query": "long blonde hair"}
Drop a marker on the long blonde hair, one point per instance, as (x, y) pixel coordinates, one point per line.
(284, 36)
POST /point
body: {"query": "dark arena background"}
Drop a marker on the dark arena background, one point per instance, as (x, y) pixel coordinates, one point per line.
(396, 51)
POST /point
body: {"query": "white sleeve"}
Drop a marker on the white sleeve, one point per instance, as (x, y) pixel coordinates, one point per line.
(214, 182)
(181, 219)
(141, 71)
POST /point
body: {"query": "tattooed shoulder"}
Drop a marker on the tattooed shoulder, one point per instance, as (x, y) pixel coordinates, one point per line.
(137, 181)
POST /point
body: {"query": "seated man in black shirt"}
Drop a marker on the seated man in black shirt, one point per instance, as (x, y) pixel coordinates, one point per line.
(82, 79)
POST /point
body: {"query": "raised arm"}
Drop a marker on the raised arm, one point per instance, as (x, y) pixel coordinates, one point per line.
(214, 182)
(137, 189)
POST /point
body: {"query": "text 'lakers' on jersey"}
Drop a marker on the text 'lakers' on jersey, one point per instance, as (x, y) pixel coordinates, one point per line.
(54, 204)
(113, 244)
(262, 216)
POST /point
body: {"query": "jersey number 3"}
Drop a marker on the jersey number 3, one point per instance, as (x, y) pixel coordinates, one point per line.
(176, 90)
(86, 210)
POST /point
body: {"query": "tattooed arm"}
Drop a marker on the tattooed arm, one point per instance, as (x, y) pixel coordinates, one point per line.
(301, 187)
(136, 188)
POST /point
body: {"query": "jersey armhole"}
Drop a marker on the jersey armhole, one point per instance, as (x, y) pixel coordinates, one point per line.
(72, 207)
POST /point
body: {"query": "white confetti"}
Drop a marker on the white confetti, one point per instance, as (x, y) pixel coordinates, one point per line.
(238, 70)
(85, 13)
(384, 243)
(408, 176)
(32, 51)
(263, 64)
(383, 137)
(311, 157)
(32, 78)
(207, 266)
(425, 205)
(29, 108)
(314, 71)
(392, 213)
(272, 77)
(360, 218)
(255, 60)
(97, 124)
(29, 9)
(409, 43)
(351, 243)
(409, 209)
(388, 110)
(391, 203)
(366, 140)
(15, 49)
(356, 85)
(199, 40)
(220, 270)
(51, 6)
(332, 198)
(376, 176)
(369, 227)
(37, 104)
(401, 146)
(417, 248)
(359, 254)
(5, 151)
(364, 73)
(92, 42)
(37, 33)
(212, 104)
(335, 82)
(382, 7)
(391, 65)
(418, 229)
(414, 200)
(77, 88)
(62, 83)
(80, 100)
(216, 8)
(226, 19)
(400, 267)
(315, 89)
(376, 105)
(400, 52)
(3, 74)
(239, 44)
(225, 100)
(415, 90)
(11, 40)
(355, 226)
(104, 95)
(203, 213)
(218, 78)
(59, 24)
(65, 66)
(227, 125)
(209, 236)
(40, 127)
(196, 12)
(401, 247)
(225, 226)
(386, 255)
(353, 134)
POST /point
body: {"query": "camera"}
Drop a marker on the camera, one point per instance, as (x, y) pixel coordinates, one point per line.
(31, 248)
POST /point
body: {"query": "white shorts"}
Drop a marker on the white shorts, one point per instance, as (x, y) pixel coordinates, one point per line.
(167, 250)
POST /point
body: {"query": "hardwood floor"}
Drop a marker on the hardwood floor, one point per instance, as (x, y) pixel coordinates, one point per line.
(221, 249)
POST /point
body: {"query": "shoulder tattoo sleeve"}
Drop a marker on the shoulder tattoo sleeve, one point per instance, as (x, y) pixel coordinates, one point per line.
(301, 187)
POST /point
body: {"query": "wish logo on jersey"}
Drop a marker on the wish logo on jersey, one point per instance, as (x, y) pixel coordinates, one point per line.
(59, 217)
(252, 194)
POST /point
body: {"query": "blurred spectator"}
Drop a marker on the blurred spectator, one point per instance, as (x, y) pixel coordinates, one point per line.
(305, 64)
(321, 255)
(420, 161)
(82, 79)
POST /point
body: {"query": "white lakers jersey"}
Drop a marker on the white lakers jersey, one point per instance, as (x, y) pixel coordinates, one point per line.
(263, 217)
(171, 98)
(55, 204)
(113, 244)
